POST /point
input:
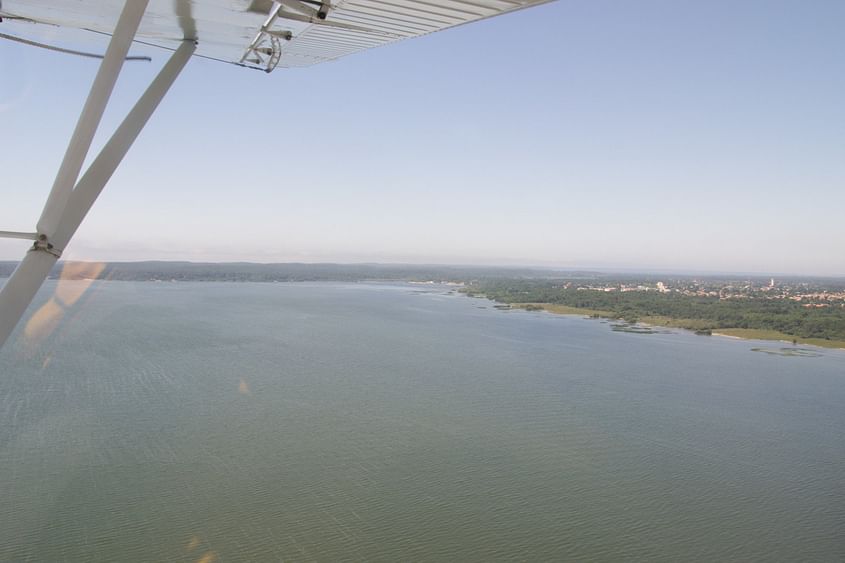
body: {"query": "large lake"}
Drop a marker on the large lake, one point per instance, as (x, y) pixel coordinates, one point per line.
(372, 422)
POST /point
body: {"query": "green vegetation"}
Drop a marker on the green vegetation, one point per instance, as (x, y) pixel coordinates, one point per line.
(761, 334)
(778, 319)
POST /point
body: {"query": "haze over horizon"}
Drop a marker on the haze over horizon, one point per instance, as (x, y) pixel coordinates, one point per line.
(605, 135)
(504, 267)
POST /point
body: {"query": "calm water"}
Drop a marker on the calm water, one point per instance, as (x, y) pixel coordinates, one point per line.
(246, 422)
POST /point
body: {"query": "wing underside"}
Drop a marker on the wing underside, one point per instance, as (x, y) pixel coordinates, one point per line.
(263, 34)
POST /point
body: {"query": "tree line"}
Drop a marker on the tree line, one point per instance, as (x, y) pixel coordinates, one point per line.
(711, 313)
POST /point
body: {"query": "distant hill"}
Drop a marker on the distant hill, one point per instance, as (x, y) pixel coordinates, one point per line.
(286, 272)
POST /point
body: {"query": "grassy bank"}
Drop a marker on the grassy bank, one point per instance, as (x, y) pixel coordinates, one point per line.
(563, 309)
(759, 334)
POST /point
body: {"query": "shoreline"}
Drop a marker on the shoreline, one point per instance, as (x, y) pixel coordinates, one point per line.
(668, 322)
(723, 335)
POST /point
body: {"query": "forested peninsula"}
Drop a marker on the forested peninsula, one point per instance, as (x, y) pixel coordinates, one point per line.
(809, 315)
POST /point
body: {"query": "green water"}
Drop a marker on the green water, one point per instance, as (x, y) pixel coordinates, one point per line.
(328, 422)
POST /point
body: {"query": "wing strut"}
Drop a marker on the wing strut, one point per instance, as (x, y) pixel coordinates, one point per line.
(67, 204)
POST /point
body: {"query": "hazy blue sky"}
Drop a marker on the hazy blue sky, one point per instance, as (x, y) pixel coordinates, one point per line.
(645, 134)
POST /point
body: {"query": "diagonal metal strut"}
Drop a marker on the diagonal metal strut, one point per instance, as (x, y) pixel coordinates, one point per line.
(92, 112)
(21, 287)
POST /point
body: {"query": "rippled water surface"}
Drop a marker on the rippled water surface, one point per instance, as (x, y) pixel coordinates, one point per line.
(249, 422)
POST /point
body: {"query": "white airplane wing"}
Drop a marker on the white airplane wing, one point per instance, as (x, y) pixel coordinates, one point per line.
(262, 34)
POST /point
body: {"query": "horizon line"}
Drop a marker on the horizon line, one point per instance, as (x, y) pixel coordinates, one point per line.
(523, 267)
